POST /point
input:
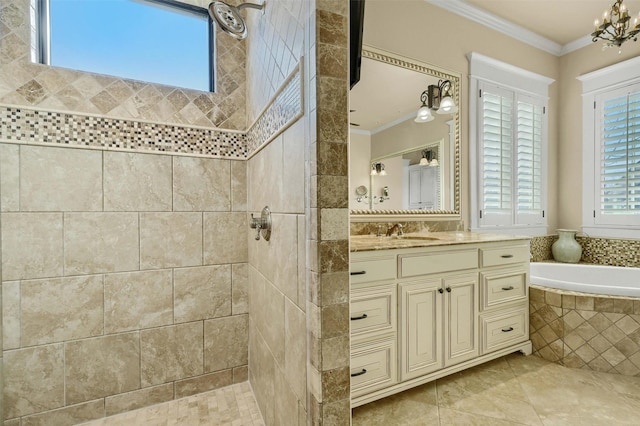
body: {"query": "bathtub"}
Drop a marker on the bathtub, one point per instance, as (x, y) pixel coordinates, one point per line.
(585, 278)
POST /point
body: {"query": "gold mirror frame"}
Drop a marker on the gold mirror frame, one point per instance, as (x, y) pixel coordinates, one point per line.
(421, 67)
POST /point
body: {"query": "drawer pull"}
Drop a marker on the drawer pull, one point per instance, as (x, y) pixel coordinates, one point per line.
(506, 256)
(359, 373)
(363, 316)
(358, 273)
(508, 329)
(507, 288)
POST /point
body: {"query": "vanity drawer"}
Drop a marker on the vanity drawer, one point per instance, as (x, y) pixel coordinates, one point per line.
(504, 255)
(372, 269)
(373, 310)
(503, 286)
(504, 329)
(441, 261)
(373, 366)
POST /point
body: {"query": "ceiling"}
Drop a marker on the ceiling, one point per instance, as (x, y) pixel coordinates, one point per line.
(561, 21)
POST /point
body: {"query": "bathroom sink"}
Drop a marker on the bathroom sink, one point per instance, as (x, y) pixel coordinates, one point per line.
(416, 237)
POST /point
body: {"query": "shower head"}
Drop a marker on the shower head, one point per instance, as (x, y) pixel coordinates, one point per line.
(229, 18)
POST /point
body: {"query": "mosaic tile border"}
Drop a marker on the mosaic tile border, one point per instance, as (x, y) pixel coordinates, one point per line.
(600, 333)
(34, 126)
(43, 127)
(285, 108)
(599, 251)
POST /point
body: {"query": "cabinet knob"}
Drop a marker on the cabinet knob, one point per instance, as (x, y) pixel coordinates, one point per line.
(363, 316)
(448, 289)
(359, 373)
(440, 291)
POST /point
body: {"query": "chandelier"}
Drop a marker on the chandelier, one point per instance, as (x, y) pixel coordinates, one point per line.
(614, 29)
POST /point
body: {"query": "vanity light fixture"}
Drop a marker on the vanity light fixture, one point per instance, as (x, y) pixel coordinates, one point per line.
(428, 159)
(377, 169)
(439, 98)
(614, 29)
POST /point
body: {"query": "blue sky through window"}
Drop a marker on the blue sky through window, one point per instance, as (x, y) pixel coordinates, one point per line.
(131, 39)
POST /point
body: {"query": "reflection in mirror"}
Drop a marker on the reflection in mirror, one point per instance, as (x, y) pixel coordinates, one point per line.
(420, 159)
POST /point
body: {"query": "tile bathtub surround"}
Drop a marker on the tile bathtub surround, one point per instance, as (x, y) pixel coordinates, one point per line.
(596, 250)
(600, 333)
(135, 298)
(35, 85)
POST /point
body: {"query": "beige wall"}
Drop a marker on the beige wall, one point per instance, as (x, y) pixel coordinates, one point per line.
(124, 279)
(421, 31)
(573, 65)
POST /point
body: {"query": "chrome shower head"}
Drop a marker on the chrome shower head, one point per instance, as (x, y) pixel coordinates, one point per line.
(229, 18)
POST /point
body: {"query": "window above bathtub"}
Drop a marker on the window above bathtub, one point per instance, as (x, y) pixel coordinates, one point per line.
(611, 151)
(156, 41)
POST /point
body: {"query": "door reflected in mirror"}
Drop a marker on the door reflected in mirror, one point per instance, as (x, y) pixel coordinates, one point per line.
(406, 165)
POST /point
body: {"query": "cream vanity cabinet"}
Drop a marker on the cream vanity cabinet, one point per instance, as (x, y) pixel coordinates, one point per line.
(418, 314)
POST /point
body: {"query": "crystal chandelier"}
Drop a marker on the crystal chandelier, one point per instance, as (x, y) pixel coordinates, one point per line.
(614, 28)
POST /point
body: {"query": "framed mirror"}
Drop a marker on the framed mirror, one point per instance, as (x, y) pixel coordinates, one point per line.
(408, 168)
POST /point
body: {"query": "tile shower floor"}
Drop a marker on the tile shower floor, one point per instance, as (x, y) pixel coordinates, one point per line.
(514, 390)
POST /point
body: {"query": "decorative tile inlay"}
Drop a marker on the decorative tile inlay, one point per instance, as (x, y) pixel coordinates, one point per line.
(284, 109)
(599, 251)
(592, 332)
(541, 247)
(24, 125)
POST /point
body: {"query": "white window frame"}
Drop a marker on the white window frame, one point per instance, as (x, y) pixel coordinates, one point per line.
(595, 85)
(486, 70)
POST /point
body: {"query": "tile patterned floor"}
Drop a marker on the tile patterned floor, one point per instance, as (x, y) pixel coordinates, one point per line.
(232, 405)
(514, 390)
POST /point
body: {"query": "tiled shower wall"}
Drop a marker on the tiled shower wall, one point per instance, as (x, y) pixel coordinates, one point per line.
(124, 279)
(28, 84)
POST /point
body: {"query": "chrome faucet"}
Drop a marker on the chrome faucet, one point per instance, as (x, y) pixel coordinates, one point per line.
(397, 228)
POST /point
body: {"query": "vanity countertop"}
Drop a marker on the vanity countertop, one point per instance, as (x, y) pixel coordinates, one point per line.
(430, 239)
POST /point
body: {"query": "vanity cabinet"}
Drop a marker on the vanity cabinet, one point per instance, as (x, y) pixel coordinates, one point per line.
(418, 314)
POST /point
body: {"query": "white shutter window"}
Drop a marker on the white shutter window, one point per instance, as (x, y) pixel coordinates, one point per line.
(529, 153)
(617, 157)
(496, 156)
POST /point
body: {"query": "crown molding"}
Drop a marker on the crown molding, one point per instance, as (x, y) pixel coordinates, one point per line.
(508, 28)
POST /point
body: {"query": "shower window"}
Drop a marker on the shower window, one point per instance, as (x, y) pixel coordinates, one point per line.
(156, 41)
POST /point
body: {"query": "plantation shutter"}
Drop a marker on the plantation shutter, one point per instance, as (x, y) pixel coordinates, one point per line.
(529, 176)
(496, 156)
(617, 156)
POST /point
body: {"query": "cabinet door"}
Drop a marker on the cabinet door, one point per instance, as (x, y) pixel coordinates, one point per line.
(415, 195)
(421, 328)
(461, 316)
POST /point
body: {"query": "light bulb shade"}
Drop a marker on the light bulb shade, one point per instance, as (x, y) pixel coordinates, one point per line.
(424, 115)
(424, 161)
(383, 173)
(434, 162)
(374, 172)
(377, 169)
(447, 106)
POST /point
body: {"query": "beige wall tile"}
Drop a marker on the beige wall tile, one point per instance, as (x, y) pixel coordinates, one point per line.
(271, 323)
(202, 293)
(10, 315)
(31, 245)
(335, 352)
(302, 262)
(33, 380)
(225, 238)
(282, 256)
(225, 342)
(170, 240)
(262, 375)
(241, 374)
(137, 182)
(101, 366)
(334, 224)
(137, 300)
(284, 400)
(60, 179)
(137, 399)
(71, 415)
(9, 177)
(239, 186)
(240, 285)
(295, 355)
(335, 320)
(59, 309)
(100, 242)
(265, 178)
(203, 383)
(293, 173)
(335, 288)
(171, 353)
(201, 184)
